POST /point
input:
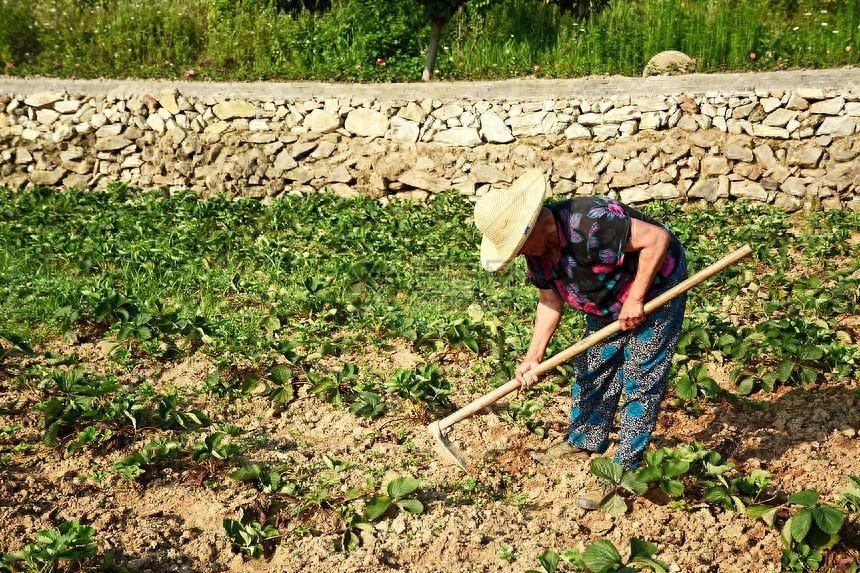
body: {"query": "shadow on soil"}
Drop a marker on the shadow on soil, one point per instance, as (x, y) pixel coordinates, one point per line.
(800, 416)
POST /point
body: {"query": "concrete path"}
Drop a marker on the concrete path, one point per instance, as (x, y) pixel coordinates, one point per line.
(521, 89)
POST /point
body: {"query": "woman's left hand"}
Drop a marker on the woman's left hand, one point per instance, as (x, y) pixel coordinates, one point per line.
(632, 314)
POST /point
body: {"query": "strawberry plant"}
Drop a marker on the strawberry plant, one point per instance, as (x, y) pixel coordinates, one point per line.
(213, 447)
(812, 526)
(367, 405)
(603, 557)
(70, 542)
(170, 415)
(664, 467)
(424, 386)
(523, 412)
(135, 465)
(250, 537)
(399, 494)
(267, 480)
(621, 482)
(850, 498)
(280, 384)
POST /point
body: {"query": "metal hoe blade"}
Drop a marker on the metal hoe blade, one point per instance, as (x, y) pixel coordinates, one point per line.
(446, 449)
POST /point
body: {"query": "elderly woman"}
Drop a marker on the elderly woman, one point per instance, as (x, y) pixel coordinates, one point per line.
(606, 260)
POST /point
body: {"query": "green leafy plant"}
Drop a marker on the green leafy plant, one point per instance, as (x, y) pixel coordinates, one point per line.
(523, 412)
(850, 498)
(398, 493)
(170, 415)
(214, 447)
(621, 481)
(812, 527)
(250, 537)
(70, 542)
(280, 387)
(333, 387)
(664, 467)
(135, 465)
(425, 386)
(267, 480)
(367, 405)
(603, 557)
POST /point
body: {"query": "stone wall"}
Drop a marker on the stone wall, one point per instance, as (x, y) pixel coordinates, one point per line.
(795, 148)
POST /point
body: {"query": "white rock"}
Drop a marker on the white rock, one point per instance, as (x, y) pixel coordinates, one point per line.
(590, 119)
(780, 117)
(155, 123)
(811, 93)
(413, 112)
(258, 125)
(760, 130)
(459, 136)
(167, 100)
(424, 180)
(650, 120)
(322, 121)
(41, 100)
(448, 111)
(68, 105)
(576, 131)
(98, 120)
(46, 116)
(365, 122)
(828, 106)
(284, 161)
(852, 109)
(488, 173)
(638, 194)
(109, 130)
(403, 130)
(770, 103)
(31, 134)
(234, 109)
(794, 186)
(493, 129)
(621, 114)
(748, 190)
(837, 125)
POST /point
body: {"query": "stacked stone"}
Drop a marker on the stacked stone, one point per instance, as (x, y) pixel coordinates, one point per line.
(794, 150)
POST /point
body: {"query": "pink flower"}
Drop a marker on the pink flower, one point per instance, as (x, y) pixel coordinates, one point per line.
(753, 55)
(615, 208)
(9, 65)
(590, 308)
(189, 73)
(380, 62)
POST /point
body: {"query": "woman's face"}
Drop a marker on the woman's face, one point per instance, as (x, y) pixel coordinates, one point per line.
(535, 245)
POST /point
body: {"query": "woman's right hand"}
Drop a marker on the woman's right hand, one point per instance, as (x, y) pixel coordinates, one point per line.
(525, 379)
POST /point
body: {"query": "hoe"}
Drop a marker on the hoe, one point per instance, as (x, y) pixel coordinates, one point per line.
(439, 428)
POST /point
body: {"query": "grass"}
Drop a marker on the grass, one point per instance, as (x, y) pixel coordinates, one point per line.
(359, 40)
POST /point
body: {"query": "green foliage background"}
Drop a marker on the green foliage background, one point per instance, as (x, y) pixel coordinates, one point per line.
(364, 40)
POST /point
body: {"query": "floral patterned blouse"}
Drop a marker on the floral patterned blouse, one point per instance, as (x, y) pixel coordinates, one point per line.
(593, 273)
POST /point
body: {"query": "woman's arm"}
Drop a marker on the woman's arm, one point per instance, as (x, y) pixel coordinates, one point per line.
(547, 317)
(652, 242)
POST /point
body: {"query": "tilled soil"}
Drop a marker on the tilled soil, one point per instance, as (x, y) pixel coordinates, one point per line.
(172, 519)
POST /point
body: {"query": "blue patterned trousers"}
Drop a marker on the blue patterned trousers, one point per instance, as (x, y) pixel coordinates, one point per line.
(636, 362)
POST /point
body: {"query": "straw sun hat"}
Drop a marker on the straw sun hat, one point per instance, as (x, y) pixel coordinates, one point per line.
(506, 218)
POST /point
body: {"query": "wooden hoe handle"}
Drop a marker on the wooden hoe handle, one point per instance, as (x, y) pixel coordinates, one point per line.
(594, 338)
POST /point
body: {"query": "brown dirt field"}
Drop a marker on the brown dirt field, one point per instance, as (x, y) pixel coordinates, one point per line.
(807, 437)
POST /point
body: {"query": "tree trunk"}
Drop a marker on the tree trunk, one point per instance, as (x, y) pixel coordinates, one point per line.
(433, 50)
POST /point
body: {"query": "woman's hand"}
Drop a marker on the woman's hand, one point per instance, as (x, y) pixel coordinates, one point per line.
(525, 379)
(632, 314)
